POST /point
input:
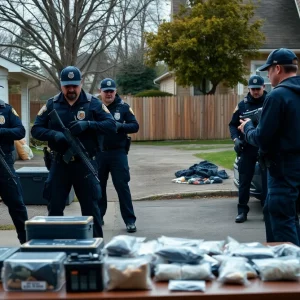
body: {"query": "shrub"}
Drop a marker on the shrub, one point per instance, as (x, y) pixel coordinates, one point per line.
(152, 93)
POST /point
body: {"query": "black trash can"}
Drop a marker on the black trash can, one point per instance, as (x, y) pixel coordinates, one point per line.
(32, 180)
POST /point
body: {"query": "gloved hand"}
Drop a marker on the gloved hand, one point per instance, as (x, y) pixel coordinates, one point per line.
(76, 127)
(61, 142)
(119, 126)
(238, 146)
(60, 138)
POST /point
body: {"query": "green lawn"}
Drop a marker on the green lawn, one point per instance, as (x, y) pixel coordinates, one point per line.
(193, 147)
(184, 142)
(223, 159)
(7, 227)
(36, 151)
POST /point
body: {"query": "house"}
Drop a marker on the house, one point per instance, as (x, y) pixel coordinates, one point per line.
(12, 73)
(281, 25)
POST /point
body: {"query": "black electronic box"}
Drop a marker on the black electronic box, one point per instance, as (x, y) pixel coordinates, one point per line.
(84, 273)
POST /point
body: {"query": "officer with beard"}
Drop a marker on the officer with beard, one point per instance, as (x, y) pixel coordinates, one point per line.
(87, 118)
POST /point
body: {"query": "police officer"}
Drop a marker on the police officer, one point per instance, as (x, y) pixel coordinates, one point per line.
(113, 159)
(247, 153)
(87, 118)
(278, 138)
(11, 129)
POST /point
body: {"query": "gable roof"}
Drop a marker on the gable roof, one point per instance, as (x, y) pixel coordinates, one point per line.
(17, 68)
(281, 23)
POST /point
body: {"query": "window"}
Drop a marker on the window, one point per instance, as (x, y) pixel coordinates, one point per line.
(197, 90)
(254, 66)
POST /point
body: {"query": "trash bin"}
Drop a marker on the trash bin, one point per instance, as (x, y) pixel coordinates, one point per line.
(32, 180)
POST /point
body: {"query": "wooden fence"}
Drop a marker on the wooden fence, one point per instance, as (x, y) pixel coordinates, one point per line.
(174, 118)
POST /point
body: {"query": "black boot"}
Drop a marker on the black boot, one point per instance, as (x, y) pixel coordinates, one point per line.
(241, 218)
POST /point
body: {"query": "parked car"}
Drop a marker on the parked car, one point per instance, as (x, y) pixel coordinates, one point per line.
(256, 183)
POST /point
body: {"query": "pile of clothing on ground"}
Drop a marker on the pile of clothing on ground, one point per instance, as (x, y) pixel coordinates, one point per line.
(203, 173)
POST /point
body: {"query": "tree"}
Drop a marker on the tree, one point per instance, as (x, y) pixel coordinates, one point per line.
(22, 55)
(134, 77)
(208, 42)
(62, 30)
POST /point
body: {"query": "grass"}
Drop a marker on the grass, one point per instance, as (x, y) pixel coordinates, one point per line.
(223, 159)
(36, 151)
(193, 147)
(7, 227)
(184, 142)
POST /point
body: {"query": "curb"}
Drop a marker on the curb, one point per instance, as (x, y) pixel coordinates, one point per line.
(201, 194)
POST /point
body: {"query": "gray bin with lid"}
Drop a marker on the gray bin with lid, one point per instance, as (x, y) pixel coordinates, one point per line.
(32, 180)
(60, 227)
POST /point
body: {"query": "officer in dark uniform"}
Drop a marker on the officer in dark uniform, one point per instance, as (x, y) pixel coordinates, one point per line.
(247, 153)
(87, 118)
(11, 129)
(278, 138)
(113, 159)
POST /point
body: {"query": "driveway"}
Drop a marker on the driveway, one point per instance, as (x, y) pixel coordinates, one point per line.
(152, 169)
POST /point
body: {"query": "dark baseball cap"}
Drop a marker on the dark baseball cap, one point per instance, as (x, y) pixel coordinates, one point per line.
(282, 56)
(255, 81)
(108, 84)
(70, 76)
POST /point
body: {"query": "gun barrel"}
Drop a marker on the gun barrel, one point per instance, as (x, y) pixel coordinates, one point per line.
(55, 117)
(6, 166)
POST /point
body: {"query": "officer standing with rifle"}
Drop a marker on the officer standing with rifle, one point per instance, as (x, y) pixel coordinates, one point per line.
(248, 154)
(72, 122)
(11, 129)
(113, 158)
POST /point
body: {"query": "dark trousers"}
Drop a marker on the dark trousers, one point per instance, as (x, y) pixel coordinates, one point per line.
(115, 162)
(280, 210)
(61, 178)
(246, 167)
(12, 196)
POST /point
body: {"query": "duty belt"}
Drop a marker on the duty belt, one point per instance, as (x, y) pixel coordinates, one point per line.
(105, 148)
(59, 156)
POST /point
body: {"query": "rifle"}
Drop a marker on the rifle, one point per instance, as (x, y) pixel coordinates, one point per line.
(76, 147)
(253, 115)
(6, 167)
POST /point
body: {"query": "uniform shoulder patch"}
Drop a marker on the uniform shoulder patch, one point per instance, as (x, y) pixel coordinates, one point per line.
(42, 110)
(105, 108)
(130, 109)
(14, 112)
(2, 120)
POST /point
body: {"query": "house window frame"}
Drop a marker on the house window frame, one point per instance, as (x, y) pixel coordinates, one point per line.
(254, 71)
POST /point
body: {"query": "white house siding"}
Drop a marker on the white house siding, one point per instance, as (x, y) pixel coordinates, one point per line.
(183, 91)
(168, 85)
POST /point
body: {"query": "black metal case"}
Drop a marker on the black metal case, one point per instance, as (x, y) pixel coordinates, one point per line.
(86, 246)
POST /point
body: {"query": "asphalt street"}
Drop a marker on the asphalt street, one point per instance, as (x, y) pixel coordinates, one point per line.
(205, 218)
